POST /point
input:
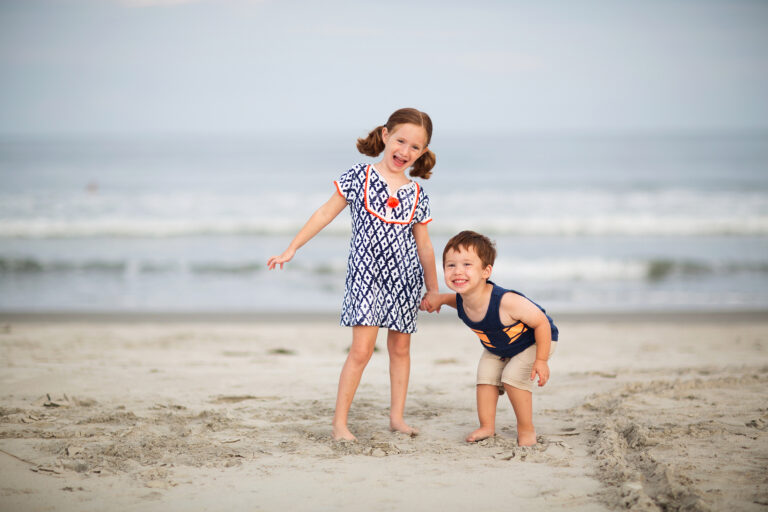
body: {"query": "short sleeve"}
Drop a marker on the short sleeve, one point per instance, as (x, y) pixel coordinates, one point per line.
(348, 184)
(423, 214)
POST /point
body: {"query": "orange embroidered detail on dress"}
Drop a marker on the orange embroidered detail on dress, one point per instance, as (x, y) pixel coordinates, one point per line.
(368, 207)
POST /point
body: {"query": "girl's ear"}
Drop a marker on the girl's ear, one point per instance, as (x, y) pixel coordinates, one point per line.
(384, 134)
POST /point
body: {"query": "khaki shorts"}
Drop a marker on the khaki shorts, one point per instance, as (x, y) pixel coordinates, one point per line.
(515, 371)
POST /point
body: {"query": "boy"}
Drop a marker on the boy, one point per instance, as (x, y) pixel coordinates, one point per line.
(516, 333)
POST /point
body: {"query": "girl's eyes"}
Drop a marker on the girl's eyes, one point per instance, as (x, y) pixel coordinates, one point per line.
(402, 141)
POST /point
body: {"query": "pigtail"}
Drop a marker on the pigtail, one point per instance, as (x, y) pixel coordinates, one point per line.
(373, 144)
(422, 168)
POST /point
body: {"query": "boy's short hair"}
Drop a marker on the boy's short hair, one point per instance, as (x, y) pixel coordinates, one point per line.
(481, 244)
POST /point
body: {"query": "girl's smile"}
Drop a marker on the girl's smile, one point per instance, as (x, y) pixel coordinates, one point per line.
(402, 147)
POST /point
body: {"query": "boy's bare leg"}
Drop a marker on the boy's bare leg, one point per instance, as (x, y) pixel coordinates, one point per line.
(522, 403)
(399, 347)
(487, 398)
(363, 341)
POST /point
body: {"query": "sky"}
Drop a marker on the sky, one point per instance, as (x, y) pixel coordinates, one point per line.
(280, 67)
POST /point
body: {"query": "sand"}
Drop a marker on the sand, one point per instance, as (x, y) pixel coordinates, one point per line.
(642, 412)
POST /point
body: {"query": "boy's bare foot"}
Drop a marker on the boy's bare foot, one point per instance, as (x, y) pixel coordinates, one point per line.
(480, 434)
(342, 434)
(403, 427)
(526, 437)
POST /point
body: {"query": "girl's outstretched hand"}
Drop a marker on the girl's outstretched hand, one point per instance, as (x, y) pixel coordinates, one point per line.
(280, 260)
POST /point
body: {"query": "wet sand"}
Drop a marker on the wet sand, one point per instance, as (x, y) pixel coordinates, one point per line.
(644, 412)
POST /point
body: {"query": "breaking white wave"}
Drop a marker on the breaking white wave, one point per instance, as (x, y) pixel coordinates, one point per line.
(534, 212)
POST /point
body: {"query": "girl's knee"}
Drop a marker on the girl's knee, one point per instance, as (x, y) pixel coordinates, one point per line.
(399, 344)
(360, 355)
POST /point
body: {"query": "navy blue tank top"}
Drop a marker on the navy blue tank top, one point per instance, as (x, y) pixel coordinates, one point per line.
(499, 339)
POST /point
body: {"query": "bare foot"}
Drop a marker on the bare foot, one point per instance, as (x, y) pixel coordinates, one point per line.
(342, 434)
(526, 437)
(402, 427)
(480, 434)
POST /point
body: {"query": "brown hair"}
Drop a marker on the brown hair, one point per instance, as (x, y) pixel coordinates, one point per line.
(373, 144)
(481, 244)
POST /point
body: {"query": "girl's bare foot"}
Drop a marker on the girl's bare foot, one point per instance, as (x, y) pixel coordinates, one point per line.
(342, 434)
(402, 427)
(526, 437)
(480, 434)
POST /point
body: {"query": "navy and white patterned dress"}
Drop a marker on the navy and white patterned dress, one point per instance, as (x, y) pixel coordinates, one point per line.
(384, 275)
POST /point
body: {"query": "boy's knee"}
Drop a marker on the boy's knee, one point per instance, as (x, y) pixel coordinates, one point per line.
(517, 386)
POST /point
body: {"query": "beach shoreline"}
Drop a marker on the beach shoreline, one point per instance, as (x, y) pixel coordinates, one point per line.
(182, 412)
(245, 317)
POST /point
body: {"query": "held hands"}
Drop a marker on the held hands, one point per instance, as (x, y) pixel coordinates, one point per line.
(280, 260)
(431, 302)
(541, 368)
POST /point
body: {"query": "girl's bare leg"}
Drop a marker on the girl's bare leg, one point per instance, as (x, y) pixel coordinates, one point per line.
(487, 398)
(522, 403)
(363, 341)
(399, 346)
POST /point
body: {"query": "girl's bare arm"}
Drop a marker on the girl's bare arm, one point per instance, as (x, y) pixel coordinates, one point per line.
(427, 258)
(321, 218)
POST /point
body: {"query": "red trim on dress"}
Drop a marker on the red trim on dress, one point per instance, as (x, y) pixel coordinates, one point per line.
(415, 202)
(338, 188)
(427, 221)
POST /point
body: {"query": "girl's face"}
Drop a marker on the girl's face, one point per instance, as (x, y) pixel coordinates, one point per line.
(403, 146)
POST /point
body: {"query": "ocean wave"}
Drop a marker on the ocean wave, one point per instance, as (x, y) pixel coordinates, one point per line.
(573, 212)
(608, 225)
(564, 270)
(601, 269)
(145, 228)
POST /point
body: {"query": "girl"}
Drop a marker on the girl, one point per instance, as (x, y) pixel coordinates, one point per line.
(390, 255)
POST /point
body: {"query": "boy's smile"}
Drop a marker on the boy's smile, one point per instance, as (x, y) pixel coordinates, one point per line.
(464, 271)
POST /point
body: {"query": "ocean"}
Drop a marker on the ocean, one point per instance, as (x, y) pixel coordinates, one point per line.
(582, 223)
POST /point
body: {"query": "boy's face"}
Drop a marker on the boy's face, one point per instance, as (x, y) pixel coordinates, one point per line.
(464, 272)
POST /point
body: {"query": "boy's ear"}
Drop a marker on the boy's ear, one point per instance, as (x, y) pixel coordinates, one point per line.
(487, 271)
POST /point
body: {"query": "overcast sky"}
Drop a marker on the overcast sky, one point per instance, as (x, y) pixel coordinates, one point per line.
(304, 66)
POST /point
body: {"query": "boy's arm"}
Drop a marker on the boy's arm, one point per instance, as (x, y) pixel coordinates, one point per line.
(437, 300)
(447, 299)
(516, 307)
